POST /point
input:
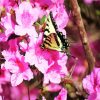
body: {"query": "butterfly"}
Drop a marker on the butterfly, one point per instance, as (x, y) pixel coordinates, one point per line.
(52, 38)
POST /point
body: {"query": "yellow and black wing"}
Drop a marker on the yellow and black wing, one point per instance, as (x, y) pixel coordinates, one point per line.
(53, 39)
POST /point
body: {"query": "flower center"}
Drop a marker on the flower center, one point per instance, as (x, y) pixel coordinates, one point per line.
(26, 19)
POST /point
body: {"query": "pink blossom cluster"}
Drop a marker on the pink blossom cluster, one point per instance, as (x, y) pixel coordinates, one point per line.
(21, 36)
(92, 84)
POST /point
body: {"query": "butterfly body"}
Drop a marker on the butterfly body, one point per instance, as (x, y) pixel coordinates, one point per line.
(53, 39)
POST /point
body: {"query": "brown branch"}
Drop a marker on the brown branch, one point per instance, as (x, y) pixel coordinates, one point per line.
(77, 15)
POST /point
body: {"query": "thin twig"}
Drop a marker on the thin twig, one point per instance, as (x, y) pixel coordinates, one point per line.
(28, 90)
(77, 15)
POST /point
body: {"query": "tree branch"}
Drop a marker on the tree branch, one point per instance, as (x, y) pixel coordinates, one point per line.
(89, 55)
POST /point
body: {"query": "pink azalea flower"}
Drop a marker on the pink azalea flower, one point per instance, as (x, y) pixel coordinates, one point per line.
(25, 17)
(18, 78)
(8, 24)
(17, 66)
(62, 95)
(40, 63)
(55, 73)
(92, 84)
(35, 53)
(60, 15)
(53, 77)
(57, 70)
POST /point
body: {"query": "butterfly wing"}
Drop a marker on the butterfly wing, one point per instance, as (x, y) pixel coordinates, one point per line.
(52, 42)
(49, 26)
(53, 39)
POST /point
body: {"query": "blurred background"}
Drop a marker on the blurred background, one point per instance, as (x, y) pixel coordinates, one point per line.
(90, 11)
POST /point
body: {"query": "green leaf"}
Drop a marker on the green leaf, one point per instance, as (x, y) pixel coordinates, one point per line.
(43, 20)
